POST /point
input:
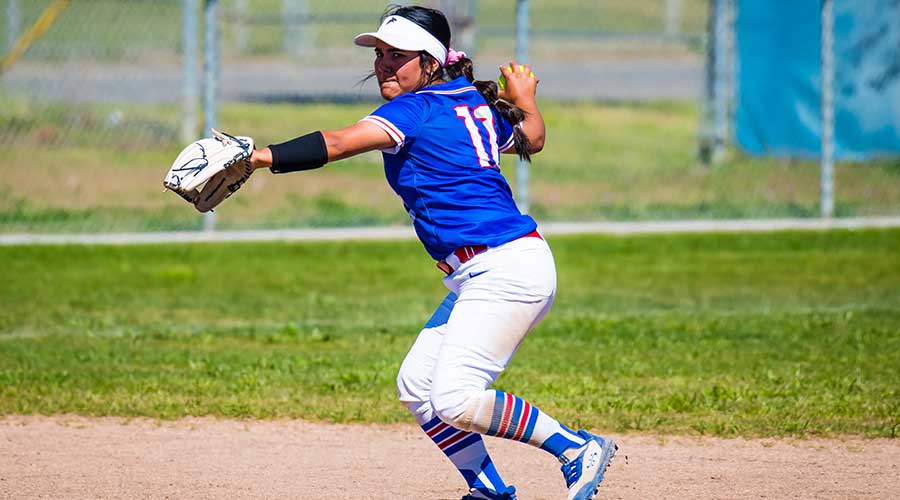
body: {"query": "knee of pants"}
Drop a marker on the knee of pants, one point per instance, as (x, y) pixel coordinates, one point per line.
(455, 406)
(413, 383)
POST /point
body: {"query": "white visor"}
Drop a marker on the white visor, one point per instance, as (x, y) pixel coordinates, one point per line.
(404, 34)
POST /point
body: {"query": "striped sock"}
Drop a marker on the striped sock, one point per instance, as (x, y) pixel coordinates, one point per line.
(514, 418)
(467, 452)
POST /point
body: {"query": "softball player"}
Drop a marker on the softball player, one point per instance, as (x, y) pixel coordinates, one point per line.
(441, 134)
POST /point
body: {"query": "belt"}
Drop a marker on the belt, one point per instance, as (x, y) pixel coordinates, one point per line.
(464, 254)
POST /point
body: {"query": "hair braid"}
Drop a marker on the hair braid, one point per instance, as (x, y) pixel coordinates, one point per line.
(488, 89)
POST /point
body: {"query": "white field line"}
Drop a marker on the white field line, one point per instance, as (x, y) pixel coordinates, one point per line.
(406, 232)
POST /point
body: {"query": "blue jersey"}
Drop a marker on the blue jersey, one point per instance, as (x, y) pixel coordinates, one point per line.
(446, 167)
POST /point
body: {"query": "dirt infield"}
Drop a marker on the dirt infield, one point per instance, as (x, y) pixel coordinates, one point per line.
(75, 458)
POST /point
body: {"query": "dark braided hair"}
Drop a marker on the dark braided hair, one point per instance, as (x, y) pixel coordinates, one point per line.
(435, 22)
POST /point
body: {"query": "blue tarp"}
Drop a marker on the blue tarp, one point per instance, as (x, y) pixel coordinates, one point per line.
(779, 77)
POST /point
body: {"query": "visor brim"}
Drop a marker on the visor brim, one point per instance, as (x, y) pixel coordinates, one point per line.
(371, 40)
(366, 39)
(403, 34)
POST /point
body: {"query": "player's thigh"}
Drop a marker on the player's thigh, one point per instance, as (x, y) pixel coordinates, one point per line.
(481, 337)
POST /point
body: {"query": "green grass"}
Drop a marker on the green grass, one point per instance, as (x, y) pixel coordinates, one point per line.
(794, 333)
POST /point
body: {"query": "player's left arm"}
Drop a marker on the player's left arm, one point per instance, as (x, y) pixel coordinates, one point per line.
(521, 90)
(338, 144)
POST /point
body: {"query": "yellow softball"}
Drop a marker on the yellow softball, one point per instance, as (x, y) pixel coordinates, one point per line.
(501, 82)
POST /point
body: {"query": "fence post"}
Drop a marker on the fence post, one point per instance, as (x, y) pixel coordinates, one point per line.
(673, 18)
(191, 83)
(827, 137)
(295, 36)
(241, 30)
(13, 23)
(719, 82)
(470, 30)
(462, 24)
(522, 28)
(211, 83)
(730, 69)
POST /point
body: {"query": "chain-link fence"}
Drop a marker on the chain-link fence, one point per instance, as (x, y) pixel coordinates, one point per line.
(91, 113)
(304, 49)
(102, 94)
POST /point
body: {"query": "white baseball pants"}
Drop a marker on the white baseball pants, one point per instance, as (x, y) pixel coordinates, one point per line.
(496, 298)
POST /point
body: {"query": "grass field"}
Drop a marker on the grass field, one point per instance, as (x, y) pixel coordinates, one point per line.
(601, 162)
(794, 333)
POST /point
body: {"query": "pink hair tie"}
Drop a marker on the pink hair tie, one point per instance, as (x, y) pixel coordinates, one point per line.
(454, 56)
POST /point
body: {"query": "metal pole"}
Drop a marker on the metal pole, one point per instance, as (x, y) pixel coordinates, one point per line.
(719, 82)
(211, 83)
(522, 27)
(827, 140)
(191, 84)
(13, 23)
(471, 32)
(448, 7)
(705, 149)
(730, 71)
(296, 40)
(241, 34)
(720, 114)
(673, 18)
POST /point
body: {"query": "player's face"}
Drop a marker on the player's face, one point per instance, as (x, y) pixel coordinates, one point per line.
(398, 71)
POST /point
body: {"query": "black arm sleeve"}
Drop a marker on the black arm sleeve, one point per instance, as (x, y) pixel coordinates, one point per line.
(303, 153)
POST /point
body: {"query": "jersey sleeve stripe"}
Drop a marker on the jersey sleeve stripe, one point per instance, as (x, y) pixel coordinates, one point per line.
(388, 127)
(508, 144)
(449, 92)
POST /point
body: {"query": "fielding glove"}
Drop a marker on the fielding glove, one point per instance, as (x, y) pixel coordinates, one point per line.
(210, 170)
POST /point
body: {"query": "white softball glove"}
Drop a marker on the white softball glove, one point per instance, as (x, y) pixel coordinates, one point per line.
(210, 170)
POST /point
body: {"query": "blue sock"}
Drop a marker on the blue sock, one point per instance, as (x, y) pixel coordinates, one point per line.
(467, 452)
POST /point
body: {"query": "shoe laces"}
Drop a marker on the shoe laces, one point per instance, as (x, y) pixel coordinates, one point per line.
(571, 470)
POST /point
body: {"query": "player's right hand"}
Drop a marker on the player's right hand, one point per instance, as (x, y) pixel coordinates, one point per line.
(520, 82)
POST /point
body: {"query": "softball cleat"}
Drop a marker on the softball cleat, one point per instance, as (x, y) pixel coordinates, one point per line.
(584, 472)
(484, 494)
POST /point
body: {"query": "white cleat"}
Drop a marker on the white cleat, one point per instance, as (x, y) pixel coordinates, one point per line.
(585, 472)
